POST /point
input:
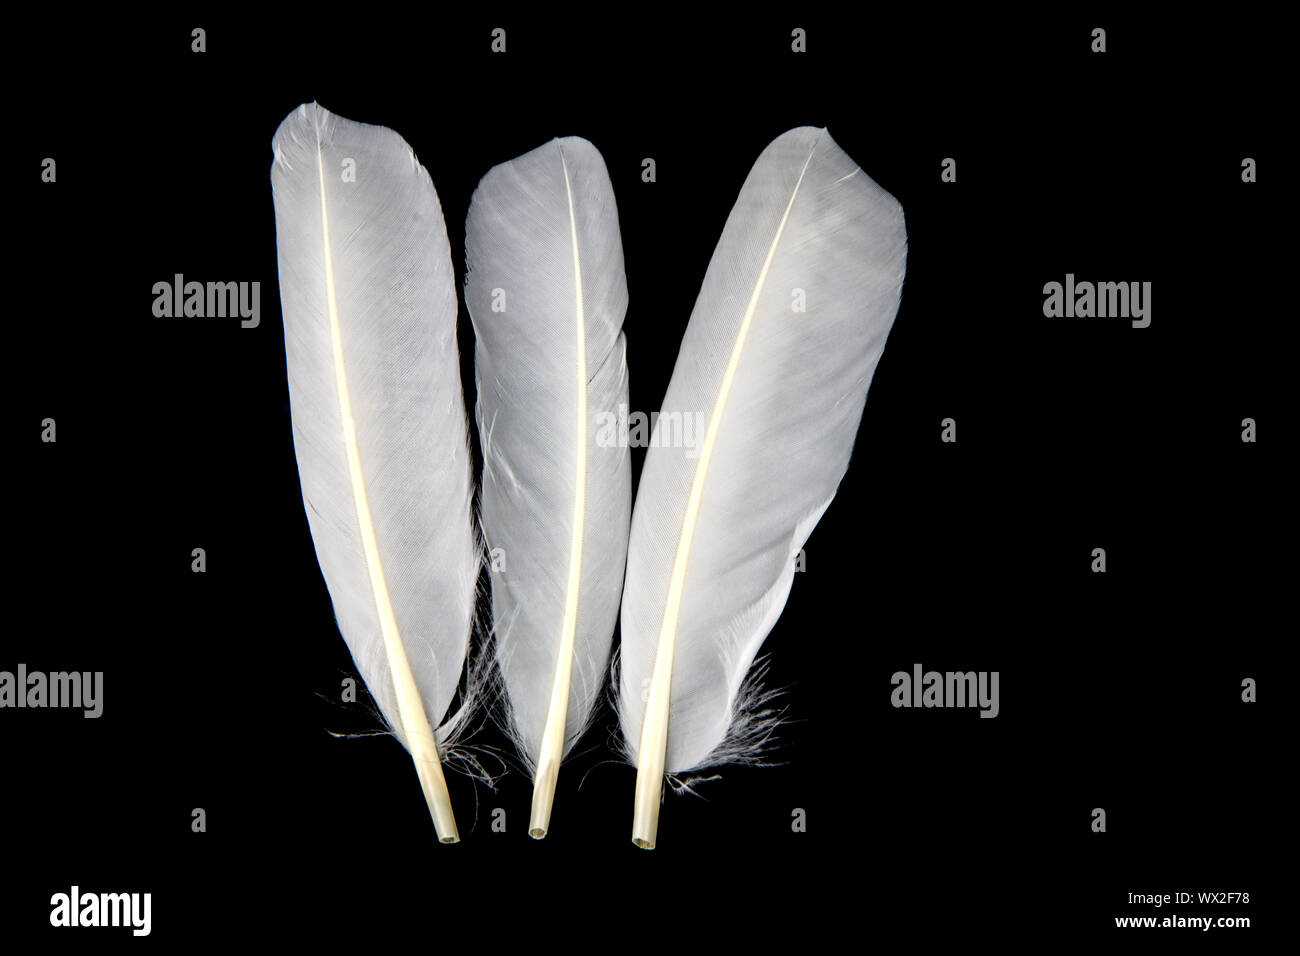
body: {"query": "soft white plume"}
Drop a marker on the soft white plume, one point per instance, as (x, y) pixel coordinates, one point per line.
(788, 327)
(379, 424)
(546, 291)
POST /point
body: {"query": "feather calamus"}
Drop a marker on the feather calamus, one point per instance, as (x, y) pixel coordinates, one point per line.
(379, 425)
(787, 329)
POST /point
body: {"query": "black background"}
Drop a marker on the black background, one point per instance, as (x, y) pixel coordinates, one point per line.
(1119, 690)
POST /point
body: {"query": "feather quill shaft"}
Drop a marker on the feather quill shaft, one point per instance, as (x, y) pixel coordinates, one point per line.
(380, 431)
(783, 391)
(546, 291)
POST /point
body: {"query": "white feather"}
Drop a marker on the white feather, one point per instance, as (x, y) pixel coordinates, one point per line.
(781, 391)
(547, 295)
(379, 424)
